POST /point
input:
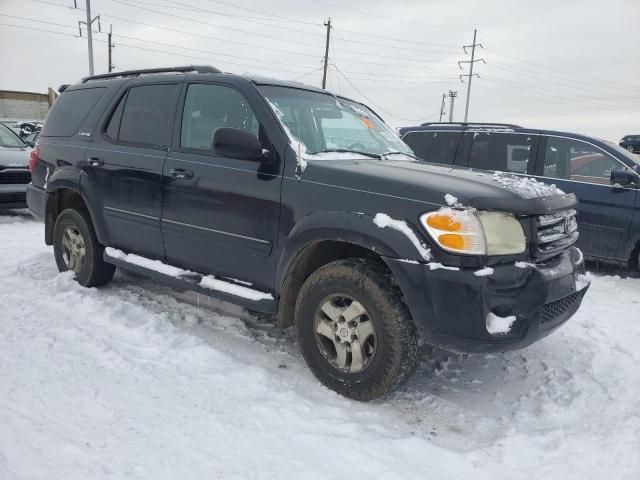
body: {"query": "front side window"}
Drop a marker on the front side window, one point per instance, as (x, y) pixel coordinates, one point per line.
(504, 152)
(147, 117)
(434, 147)
(323, 123)
(569, 159)
(209, 107)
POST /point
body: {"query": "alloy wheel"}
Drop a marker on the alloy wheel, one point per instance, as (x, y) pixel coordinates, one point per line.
(345, 333)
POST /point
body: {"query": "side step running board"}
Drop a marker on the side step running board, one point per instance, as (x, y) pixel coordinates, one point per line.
(186, 280)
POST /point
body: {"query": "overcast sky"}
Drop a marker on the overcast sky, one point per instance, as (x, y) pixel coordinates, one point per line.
(570, 65)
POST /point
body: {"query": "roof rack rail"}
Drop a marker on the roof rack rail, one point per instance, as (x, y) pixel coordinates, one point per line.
(148, 71)
(473, 124)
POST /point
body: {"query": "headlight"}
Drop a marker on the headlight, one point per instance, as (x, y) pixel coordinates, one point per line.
(475, 232)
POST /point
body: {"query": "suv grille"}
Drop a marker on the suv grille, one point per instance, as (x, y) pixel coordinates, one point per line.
(15, 177)
(568, 304)
(555, 232)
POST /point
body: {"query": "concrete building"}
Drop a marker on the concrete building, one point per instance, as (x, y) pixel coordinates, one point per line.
(25, 105)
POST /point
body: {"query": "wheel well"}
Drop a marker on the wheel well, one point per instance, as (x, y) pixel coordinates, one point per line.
(58, 202)
(308, 261)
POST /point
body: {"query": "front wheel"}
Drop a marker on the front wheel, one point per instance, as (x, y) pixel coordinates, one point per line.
(355, 332)
(76, 248)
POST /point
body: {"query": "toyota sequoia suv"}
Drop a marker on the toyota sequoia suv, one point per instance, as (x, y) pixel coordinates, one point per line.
(290, 200)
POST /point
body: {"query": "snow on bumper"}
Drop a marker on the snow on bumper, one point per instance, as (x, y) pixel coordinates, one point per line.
(451, 308)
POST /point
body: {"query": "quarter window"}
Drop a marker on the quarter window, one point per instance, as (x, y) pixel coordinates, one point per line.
(147, 116)
(209, 107)
(435, 147)
(505, 152)
(570, 159)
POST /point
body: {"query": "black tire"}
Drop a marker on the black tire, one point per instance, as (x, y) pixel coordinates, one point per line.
(94, 271)
(397, 349)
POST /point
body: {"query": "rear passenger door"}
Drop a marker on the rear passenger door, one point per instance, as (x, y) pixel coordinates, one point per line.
(124, 164)
(220, 213)
(501, 151)
(604, 212)
(434, 147)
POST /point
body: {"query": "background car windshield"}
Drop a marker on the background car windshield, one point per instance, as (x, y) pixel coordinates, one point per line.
(323, 122)
(8, 138)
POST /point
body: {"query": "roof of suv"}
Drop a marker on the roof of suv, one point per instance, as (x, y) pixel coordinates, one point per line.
(127, 75)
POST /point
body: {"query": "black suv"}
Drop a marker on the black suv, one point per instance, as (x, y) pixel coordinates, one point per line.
(289, 200)
(604, 177)
(631, 143)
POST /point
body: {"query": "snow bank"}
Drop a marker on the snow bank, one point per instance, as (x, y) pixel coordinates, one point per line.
(499, 325)
(526, 187)
(383, 220)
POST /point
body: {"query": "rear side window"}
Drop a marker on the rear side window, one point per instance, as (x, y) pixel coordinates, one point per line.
(69, 110)
(147, 116)
(505, 152)
(435, 147)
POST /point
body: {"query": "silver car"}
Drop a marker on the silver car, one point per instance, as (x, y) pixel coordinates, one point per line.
(14, 171)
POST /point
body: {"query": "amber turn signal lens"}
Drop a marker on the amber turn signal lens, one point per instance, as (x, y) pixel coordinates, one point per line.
(451, 240)
(443, 222)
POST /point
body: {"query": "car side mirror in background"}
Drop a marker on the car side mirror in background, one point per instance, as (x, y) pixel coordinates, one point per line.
(623, 177)
(237, 143)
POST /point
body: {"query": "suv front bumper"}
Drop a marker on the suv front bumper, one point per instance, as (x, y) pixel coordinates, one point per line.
(450, 307)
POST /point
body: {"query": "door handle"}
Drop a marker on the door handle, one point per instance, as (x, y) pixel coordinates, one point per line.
(180, 173)
(95, 162)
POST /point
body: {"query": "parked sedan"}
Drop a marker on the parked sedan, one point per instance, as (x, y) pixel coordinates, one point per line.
(604, 176)
(14, 172)
(631, 143)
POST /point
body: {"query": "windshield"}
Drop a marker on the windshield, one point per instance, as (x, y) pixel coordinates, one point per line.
(324, 123)
(625, 153)
(9, 139)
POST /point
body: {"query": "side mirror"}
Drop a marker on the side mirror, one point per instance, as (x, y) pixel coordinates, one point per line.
(623, 177)
(237, 143)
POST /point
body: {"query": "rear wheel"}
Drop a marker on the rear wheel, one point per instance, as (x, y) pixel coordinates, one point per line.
(355, 332)
(76, 248)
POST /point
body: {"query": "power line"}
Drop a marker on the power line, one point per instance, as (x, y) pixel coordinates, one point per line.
(555, 69)
(387, 18)
(395, 39)
(371, 102)
(560, 80)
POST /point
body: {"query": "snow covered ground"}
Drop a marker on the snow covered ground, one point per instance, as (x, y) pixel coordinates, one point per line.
(137, 381)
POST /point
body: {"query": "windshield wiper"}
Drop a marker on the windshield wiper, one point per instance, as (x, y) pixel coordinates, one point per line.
(346, 150)
(400, 153)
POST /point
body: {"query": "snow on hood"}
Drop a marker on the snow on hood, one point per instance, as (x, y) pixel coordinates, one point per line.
(526, 187)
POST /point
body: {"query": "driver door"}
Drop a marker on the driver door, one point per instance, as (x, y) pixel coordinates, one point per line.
(220, 214)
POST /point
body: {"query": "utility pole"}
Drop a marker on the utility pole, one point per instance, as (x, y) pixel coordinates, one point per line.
(470, 75)
(326, 54)
(89, 24)
(452, 97)
(111, 45)
(442, 106)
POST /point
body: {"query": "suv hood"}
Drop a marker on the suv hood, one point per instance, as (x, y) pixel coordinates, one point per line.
(429, 183)
(14, 157)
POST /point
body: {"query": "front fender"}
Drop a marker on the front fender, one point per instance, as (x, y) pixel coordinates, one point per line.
(349, 227)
